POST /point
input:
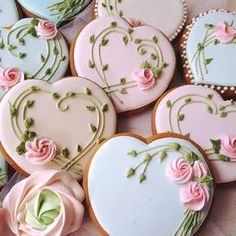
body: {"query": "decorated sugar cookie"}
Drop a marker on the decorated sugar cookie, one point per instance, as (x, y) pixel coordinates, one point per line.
(57, 11)
(134, 66)
(8, 13)
(201, 114)
(3, 172)
(57, 126)
(208, 49)
(46, 203)
(162, 186)
(151, 12)
(31, 49)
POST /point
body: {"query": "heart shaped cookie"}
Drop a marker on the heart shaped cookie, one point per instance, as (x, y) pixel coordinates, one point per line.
(201, 114)
(56, 126)
(208, 49)
(162, 186)
(8, 13)
(57, 11)
(127, 62)
(150, 12)
(31, 49)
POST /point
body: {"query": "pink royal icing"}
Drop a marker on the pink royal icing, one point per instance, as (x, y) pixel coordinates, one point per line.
(145, 79)
(194, 195)
(40, 151)
(135, 22)
(71, 196)
(46, 29)
(228, 147)
(180, 171)
(10, 77)
(199, 169)
(224, 32)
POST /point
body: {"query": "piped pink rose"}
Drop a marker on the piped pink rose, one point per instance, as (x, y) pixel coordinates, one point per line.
(199, 169)
(194, 195)
(40, 151)
(228, 147)
(224, 32)
(46, 29)
(145, 79)
(10, 77)
(180, 171)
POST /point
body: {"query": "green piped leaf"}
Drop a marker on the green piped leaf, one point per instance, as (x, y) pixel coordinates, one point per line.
(28, 122)
(207, 180)
(125, 39)
(208, 61)
(20, 149)
(169, 104)
(93, 128)
(133, 153)
(91, 108)
(88, 91)
(154, 39)
(92, 39)
(65, 152)
(216, 145)
(104, 107)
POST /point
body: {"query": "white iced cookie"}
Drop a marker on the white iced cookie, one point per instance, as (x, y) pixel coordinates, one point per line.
(162, 187)
(168, 16)
(8, 13)
(208, 49)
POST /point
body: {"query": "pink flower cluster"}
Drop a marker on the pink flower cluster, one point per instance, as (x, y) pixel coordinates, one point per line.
(193, 194)
(145, 79)
(225, 33)
(46, 29)
(228, 147)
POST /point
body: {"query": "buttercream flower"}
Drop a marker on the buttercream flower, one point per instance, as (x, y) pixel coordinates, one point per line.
(194, 195)
(199, 169)
(180, 171)
(228, 147)
(10, 77)
(44, 204)
(224, 32)
(40, 151)
(135, 22)
(145, 79)
(46, 29)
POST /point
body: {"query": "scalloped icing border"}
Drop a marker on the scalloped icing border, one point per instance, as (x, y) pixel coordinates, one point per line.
(174, 35)
(186, 66)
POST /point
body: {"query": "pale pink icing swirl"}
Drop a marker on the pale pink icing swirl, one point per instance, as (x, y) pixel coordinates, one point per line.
(194, 195)
(70, 192)
(145, 79)
(199, 169)
(224, 32)
(180, 171)
(10, 77)
(46, 29)
(228, 147)
(40, 151)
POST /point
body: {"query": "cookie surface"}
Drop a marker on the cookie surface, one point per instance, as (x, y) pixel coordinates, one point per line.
(8, 13)
(54, 10)
(126, 62)
(56, 126)
(149, 185)
(208, 49)
(201, 114)
(150, 12)
(21, 45)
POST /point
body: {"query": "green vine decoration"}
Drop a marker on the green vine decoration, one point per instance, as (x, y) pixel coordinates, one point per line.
(112, 8)
(66, 9)
(199, 60)
(47, 68)
(177, 117)
(3, 177)
(144, 46)
(191, 218)
(18, 111)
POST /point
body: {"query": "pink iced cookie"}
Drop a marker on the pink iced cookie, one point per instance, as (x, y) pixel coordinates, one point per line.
(201, 114)
(44, 126)
(134, 66)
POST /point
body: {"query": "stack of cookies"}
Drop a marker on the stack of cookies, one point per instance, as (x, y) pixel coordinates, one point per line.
(59, 108)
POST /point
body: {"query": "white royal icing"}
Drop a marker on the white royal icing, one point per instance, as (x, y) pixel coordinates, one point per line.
(8, 13)
(131, 208)
(151, 12)
(220, 68)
